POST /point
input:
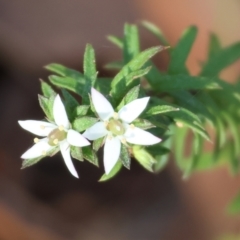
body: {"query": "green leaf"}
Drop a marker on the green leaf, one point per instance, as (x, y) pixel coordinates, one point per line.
(184, 82)
(68, 83)
(144, 158)
(180, 52)
(189, 101)
(143, 124)
(161, 109)
(82, 123)
(190, 119)
(114, 65)
(90, 73)
(103, 85)
(155, 31)
(214, 45)
(130, 42)
(47, 89)
(119, 82)
(98, 143)
(116, 41)
(113, 172)
(90, 155)
(125, 157)
(70, 104)
(81, 110)
(47, 106)
(76, 152)
(129, 97)
(64, 71)
(221, 60)
(234, 206)
(29, 162)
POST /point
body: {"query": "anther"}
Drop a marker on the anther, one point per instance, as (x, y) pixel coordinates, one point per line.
(105, 123)
(42, 127)
(132, 126)
(123, 140)
(36, 140)
(55, 141)
(61, 128)
(109, 137)
(115, 115)
(44, 153)
(179, 124)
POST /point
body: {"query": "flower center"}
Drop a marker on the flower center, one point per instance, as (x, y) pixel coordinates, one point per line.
(116, 127)
(56, 136)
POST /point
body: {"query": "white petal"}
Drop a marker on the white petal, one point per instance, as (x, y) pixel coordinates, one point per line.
(140, 137)
(132, 110)
(37, 150)
(74, 138)
(98, 130)
(39, 128)
(112, 149)
(59, 113)
(102, 106)
(65, 150)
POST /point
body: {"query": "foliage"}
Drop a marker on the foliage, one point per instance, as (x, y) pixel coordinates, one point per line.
(184, 110)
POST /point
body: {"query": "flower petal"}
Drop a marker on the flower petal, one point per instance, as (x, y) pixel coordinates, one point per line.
(132, 110)
(39, 149)
(112, 150)
(39, 128)
(140, 137)
(59, 113)
(102, 106)
(98, 130)
(65, 150)
(74, 138)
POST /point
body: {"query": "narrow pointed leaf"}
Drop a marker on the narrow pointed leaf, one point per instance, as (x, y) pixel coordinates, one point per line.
(47, 90)
(119, 82)
(68, 83)
(81, 110)
(180, 52)
(143, 124)
(221, 60)
(125, 157)
(155, 31)
(98, 143)
(130, 42)
(234, 206)
(116, 41)
(90, 155)
(64, 71)
(70, 104)
(130, 96)
(113, 172)
(90, 73)
(76, 152)
(82, 123)
(214, 45)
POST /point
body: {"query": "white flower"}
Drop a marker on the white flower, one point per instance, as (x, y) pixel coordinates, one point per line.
(117, 127)
(58, 134)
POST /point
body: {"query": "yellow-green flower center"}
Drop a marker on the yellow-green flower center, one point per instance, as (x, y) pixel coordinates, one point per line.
(55, 136)
(116, 127)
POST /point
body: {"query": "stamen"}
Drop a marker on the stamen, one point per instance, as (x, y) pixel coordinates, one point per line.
(42, 127)
(61, 128)
(36, 140)
(55, 141)
(179, 124)
(123, 141)
(115, 115)
(105, 123)
(110, 137)
(132, 126)
(44, 153)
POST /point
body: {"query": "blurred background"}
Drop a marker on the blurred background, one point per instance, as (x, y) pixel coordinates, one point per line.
(45, 201)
